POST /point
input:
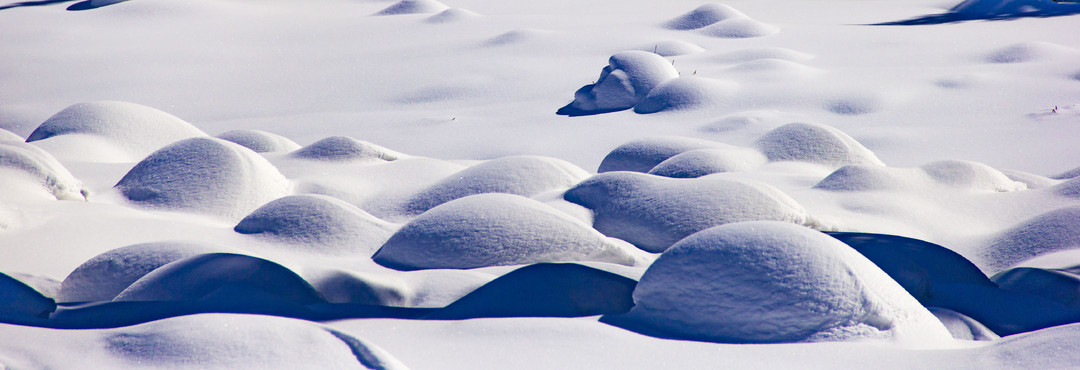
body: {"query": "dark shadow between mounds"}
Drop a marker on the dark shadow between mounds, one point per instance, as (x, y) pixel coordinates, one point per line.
(954, 17)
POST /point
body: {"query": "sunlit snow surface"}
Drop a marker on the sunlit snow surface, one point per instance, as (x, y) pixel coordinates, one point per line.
(539, 184)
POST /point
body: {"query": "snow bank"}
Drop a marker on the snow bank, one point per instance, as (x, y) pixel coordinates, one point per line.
(685, 93)
(317, 223)
(520, 175)
(495, 230)
(625, 81)
(703, 16)
(971, 176)
(19, 301)
(545, 290)
(773, 282)
(41, 167)
(103, 277)
(413, 7)
(1053, 231)
(340, 148)
(132, 129)
(671, 48)
(643, 154)
(204, 175)
(223, 278)
(701, 162)
(260, 141)
(654, 212)
(814, 143)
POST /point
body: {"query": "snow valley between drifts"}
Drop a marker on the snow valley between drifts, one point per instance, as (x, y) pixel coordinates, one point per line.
(480, 184)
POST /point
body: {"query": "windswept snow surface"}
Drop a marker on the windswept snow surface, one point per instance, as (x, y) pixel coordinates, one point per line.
(452, 184)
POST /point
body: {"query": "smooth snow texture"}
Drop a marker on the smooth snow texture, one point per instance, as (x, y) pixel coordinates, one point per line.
(317, 223)
(773, 282)
(643, 154)
(971, 176)
(20, 301)
(654, 212)
(671, 48)
(686, 93)
(625, 81)
(495, 230)
(1047, 233)
(260, 141)
(41, 167)
(413, 7)
(701, 162)
(204, 175)
(520, 175)
(739, 28)
(1031, 51)
(963, 327)
(703, 16)
(758, 53)
(814, 143)
(341, 148)
(132, 129)
(452, 15)
(103, 277)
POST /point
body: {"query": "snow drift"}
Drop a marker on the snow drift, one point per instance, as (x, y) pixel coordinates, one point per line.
(815, 143)
(317, 223)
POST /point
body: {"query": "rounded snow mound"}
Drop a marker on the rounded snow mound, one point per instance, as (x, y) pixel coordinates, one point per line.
(740, 28)
(971, 175)
(1059, 286)
(131, 129)
(701, 162)
(6, 135)
(858, 177)
(749, 54)
(20, 301)
(685, 93)
(496, 230)
(517, 36)
(341, 148)
(222, 277)
(773, 282)
(1029, 51)
(1070, 188)
(627, 79)
(228, 341)
(963, 327)
(654, 212)
(703, 16)
(42, 167)
(644, 154)
(452, 15)
(814, 143)
(671, 48)
(103, 277)
(204, 175)
(260, 141)
(1053, 231)
(413, 7)
(519, 175)
(318, 222)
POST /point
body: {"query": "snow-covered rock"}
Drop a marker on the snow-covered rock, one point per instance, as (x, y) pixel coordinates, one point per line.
(341, 148)
(685, 93)
(971, 176)
(701, 162)
(204, 175)
(654, 212)
(1053, 231)
(496, 229)
(643, 154)
(625, 81)
(773, 282)
(520, 175)
(1060, 286)
(110, 131)
(260, 141)
(42, 168)
(814, 143)
(317, 223)
(703, 16)
(103, 277)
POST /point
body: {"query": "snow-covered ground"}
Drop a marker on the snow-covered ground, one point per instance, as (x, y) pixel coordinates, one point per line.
(539, 184)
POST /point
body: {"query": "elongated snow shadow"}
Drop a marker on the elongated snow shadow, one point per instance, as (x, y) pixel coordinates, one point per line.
(23, 4)
(960, 17)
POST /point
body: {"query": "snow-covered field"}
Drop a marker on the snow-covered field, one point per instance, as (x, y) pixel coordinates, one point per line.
(480, 184)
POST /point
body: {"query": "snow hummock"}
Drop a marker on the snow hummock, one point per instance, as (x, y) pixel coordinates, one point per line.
(703, 16)
(520, 175)
(739, 28)
(260, 141)
(341, 148)
(701, 162)
(497, 229)
(1050, 232)
(103, 277)
(686, 93)
(816, 143)
(971, 175)
(204, 175)
(654, 212)
(43, 168)
(413, 7)
(452, 15)
(1062, 286)
(317, 223)
(625, 81)
(111, 131)
(643, 154)
(773, 282)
